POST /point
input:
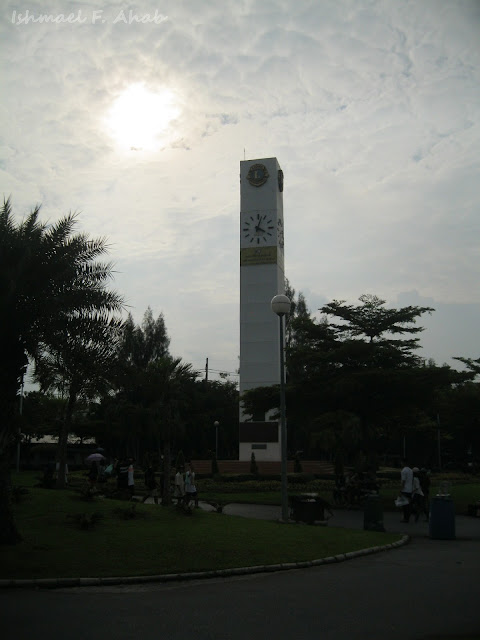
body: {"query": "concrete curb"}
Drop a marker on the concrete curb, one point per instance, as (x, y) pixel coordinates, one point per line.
(57, 583)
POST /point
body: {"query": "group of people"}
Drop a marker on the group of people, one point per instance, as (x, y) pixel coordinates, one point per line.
(415, 489)
(99, 472)
(185, 489)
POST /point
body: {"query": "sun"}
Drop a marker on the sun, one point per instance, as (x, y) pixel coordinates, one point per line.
(140, 118)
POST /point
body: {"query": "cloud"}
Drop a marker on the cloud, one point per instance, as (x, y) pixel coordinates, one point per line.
(373, 111)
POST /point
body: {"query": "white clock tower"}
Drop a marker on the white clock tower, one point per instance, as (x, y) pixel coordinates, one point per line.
(261, 278)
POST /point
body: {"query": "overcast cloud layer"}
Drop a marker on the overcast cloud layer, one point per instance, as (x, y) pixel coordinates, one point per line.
(372, 109)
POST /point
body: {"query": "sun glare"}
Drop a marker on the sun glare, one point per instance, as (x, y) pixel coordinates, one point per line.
(140, 118)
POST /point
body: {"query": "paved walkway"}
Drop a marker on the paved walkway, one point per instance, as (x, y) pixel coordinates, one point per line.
(467, 528)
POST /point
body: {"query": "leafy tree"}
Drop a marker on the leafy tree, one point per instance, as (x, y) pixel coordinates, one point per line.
(354, 378)
(212, 401)
(472, 365)
(458, 412)
(166, 392)
(76, 363)
(141, 345)
(48, 275)
(127, 410)
(41, 413)
(298, 310)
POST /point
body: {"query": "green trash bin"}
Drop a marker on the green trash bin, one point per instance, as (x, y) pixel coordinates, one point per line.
(373, 513)
(442, 518)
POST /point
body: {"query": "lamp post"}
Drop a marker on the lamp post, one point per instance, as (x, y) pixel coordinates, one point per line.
(281, 306)
(216, 425)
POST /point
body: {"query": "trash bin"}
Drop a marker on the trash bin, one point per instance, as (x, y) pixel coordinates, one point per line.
(373, 513)
(307, 508)
(442, 518)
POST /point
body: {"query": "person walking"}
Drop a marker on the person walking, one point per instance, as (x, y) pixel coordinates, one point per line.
(406, 489)
(122, 474)
(417, 495)
(424, 478)
(179, 486)
(190, 487)
(92, 477)
(131, 479)
(57, 469)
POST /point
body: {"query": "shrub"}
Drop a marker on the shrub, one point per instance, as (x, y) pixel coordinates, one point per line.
(300, 478)
(297, 465)
(19, 494)
(85, 521)
(253, 465)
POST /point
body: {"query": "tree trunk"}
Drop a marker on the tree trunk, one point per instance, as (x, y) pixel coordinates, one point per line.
(63, 440)
(9, 533)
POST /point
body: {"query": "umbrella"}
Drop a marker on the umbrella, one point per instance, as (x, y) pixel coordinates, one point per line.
(94, 457)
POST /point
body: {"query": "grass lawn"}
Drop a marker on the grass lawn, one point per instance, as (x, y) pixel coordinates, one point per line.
(162, 540)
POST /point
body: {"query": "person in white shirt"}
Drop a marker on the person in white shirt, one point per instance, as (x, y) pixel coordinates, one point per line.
(190, 488)
(131, 479)
(179, 491)
(418, 498)
(57, 469)
(406, 477)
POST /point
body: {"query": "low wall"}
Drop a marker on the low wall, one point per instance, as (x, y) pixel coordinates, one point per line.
(264, 467)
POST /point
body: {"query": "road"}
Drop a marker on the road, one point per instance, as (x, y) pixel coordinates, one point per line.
(427, 588)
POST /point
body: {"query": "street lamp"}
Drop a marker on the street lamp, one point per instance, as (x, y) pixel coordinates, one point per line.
(281, 306)
(216, 425)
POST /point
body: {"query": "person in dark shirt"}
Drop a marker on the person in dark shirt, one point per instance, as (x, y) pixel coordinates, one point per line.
(122, 474)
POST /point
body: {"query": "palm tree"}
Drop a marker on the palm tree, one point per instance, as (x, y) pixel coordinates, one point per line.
(168, 387)
(48, 277)
(77, 363)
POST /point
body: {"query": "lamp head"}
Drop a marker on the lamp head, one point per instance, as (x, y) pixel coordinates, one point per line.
(281, 305)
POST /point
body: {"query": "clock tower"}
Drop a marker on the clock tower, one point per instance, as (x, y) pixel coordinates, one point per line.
(261, 278)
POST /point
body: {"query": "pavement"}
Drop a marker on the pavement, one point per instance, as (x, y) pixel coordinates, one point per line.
(466, 527)
(427, 589)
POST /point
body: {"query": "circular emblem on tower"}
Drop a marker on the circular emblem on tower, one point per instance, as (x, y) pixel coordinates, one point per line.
(257, 175)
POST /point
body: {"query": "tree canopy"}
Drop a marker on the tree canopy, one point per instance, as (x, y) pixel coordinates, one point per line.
(355, 372)
(50, 279)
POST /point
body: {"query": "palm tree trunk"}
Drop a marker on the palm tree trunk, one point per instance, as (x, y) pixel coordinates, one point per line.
(63, 439)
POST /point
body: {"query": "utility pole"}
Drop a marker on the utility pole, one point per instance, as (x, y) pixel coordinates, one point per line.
(206, 370)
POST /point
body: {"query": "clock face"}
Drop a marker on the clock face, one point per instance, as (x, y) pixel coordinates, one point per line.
(258, 229)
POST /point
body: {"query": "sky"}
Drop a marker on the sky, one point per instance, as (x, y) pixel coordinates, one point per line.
(137, 115)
